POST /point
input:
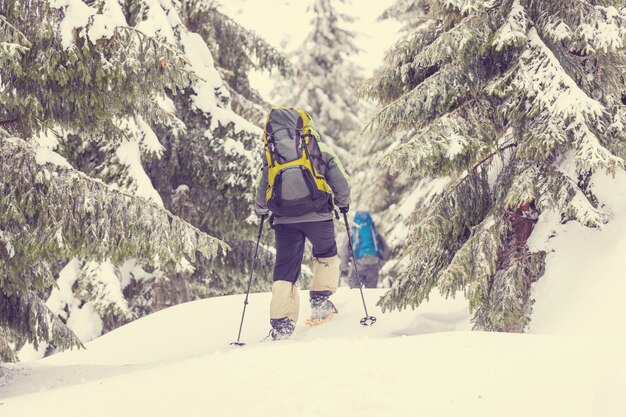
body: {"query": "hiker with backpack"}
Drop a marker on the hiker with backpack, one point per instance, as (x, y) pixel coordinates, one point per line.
(301, 182)
(370, 252)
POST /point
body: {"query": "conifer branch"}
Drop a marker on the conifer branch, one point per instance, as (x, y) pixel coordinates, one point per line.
(9, 121)
(481, 162)
(23, 38)
(491, 155)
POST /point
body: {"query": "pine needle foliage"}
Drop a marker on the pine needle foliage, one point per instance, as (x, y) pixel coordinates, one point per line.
(237, 51)
(409, 12)
(52, 213)
(127, 89)
(535, 85)
(36, 324)
(77, 84)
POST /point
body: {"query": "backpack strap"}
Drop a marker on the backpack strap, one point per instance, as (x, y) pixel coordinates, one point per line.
(355, 237)
(270, 142)
(375, 239)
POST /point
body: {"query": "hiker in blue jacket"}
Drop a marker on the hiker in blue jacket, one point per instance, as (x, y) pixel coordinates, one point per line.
(370, 252)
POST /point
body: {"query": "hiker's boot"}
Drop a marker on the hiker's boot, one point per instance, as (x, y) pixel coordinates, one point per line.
(282, 328)
(322, 308)
(284, 309)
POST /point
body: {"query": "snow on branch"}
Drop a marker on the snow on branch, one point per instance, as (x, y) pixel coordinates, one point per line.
(268, 57)
(551, 86)
(475, 263)
(463, 42)
(28, 316)
(513, 32)
(557, 30)
(449, 145)
(432, 98)
(602, 30)
(439, 233)
(398, 77)
(70, 215)
(550, 188)
(13, 45)
(561, 114)
(403, 10)
(8, 31)
(465, 7)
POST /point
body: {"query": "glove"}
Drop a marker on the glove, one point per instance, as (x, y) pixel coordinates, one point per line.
(260, 211)
(344, 209)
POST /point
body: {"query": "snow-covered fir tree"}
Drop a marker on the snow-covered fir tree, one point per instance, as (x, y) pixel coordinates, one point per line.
(54, 79)
(327, 75)
(116, 87)
(52, 213)
(237, 51)
(409, 12)
(514, 104)
(206, 174)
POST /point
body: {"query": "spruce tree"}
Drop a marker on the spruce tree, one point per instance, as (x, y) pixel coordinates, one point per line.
(206, 175)
(120, 88)
(535, 86)
(57, 78)
(205, 168)
(237, 51)
(328, 76)
(52, 213)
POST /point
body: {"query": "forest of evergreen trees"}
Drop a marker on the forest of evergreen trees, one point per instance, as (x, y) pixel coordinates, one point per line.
(130, 140)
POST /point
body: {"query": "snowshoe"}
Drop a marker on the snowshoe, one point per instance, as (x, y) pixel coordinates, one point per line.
(316, 322)
(322, 310)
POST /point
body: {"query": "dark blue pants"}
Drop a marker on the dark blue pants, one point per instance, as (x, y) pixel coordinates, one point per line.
(290, 240)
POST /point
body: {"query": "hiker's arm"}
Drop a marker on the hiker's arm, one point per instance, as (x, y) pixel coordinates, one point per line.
(260, 206)
(336, 176)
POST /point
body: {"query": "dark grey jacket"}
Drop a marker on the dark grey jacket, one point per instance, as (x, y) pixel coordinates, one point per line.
(336, 177)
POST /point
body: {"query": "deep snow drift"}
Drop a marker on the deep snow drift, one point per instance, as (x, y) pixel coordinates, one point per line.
(423, 362)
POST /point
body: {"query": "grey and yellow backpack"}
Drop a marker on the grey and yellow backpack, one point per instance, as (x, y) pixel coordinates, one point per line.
(296, 183)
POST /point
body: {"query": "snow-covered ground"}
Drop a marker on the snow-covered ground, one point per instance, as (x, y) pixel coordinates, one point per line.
(424, 362)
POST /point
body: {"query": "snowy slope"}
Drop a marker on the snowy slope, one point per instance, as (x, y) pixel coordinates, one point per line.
(583, 289)
(424, 362)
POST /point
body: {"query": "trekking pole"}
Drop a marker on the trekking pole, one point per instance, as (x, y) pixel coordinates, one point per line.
(245, 301)
(367, 320)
